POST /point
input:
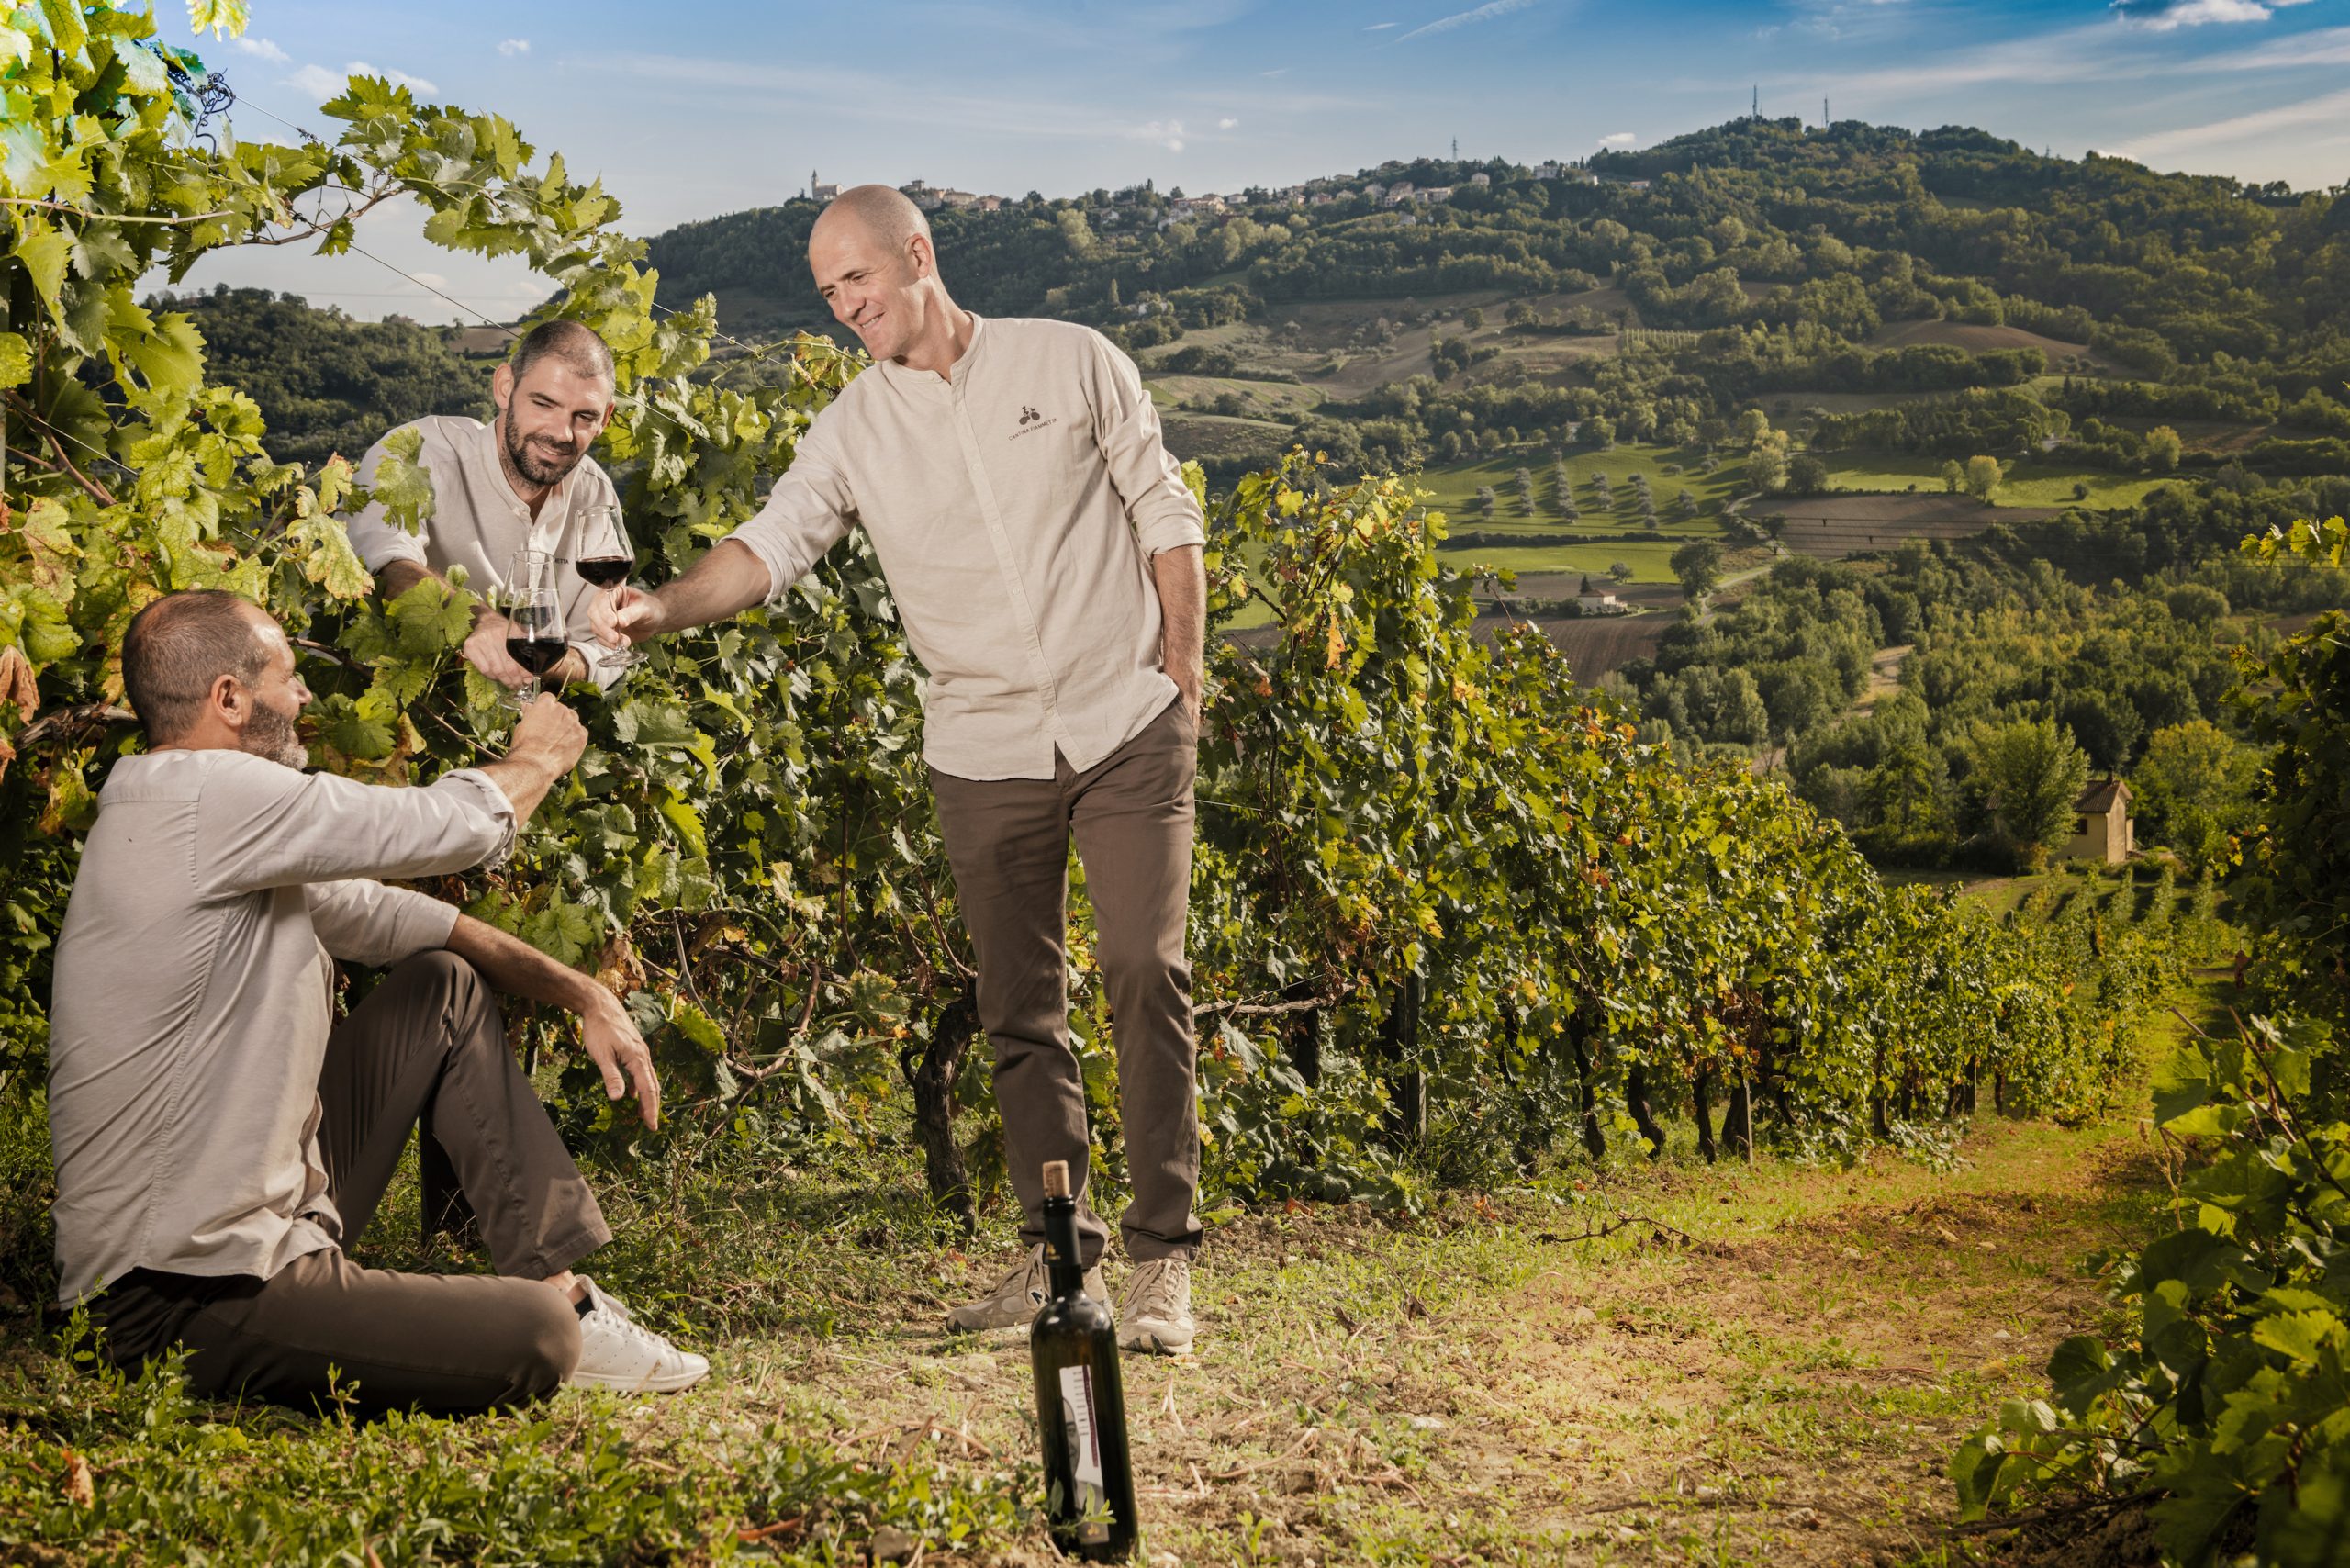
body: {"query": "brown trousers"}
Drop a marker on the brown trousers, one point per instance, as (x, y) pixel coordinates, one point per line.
(426, 1047)
(1008, 840)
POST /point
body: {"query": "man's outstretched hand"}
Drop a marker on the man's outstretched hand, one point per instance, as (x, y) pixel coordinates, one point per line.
(625, 616)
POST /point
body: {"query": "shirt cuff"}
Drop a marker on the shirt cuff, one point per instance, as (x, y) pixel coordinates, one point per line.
(412, 923)
(1170, 534)
(480, 786)
(605, 666)
(378, 544)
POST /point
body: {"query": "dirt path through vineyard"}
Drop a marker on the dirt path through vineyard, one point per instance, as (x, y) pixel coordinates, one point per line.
(1771, 1366)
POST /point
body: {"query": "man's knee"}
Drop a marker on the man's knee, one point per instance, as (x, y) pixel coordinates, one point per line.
(1146, 972)
(536, 1338)
(453, 982)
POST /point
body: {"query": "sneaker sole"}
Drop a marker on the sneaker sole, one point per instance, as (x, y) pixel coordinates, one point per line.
(675, 1383)
(1155, 1345)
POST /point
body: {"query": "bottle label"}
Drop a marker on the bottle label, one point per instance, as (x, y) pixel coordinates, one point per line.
(1084, 1434)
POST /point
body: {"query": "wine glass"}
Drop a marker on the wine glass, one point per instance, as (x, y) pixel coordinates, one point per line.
(606, 558)
(537, 637)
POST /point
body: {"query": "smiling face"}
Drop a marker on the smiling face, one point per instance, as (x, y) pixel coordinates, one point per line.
(549, 418)
(883, 292)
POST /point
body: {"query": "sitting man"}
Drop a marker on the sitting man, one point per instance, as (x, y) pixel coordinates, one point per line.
(219, 1139)
(523, 480)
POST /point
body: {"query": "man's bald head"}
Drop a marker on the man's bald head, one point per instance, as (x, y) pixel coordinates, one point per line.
(870, 252)
(880, 212)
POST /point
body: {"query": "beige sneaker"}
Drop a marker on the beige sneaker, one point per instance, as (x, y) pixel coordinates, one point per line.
(1017, 1297)
(1155, 1310)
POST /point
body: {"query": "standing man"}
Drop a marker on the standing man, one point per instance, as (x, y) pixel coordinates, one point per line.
(1045, 554)
(220, 1139)
(523, 480)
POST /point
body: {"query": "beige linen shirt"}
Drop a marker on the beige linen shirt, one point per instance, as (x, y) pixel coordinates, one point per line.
(478, 522)
(195, 990)
(1015, 504)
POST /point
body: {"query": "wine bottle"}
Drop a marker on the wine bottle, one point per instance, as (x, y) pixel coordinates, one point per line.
(1081, 1407)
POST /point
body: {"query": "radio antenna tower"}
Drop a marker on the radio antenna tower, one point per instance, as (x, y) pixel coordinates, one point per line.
(1755, 110)
(1824, 120)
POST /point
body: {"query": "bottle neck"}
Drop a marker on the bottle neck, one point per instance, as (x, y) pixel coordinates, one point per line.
(1061, 1256)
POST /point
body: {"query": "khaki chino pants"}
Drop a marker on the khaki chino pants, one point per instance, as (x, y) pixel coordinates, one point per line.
(426, 1047)
(1008, 840)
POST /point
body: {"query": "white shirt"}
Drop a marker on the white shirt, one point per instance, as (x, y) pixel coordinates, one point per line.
(1015, 504)
(478, 522)
(194, 995)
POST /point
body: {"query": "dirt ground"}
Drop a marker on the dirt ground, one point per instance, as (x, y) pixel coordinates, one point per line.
(1766, 1365)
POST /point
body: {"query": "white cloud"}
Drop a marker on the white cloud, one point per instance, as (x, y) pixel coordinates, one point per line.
(1382, 27)
(1281, 70)
(321, 83)
(396, 78)
(2326, 109)
(265, 50)
(1167, 133)
(1484, 13)
(2198, 12)
(317, 83)
(1618, 139)
(509, 48)
(1226, 123)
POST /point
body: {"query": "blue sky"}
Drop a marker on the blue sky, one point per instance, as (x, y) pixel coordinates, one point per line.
(692, 109)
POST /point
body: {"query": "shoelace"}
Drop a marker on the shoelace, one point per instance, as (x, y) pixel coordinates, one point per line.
(630, 1329)
(1156, 1296)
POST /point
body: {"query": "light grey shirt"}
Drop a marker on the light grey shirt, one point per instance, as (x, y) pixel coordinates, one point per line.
(1016, 505)
(194, 993)
(478, 522)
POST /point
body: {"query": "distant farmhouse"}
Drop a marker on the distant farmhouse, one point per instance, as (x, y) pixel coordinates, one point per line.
(2102, 828)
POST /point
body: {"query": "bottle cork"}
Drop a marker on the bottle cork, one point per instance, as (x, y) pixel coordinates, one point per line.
(1057, 1178)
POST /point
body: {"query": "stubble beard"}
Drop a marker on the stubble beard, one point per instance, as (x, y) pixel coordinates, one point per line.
(274, 736)
(526, 465)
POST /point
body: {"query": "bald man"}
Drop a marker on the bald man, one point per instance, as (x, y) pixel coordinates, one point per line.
(1046, 556)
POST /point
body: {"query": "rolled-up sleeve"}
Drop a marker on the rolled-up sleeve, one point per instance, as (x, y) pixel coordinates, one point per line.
(373, 535)
(805, 513)
(267, 826)
(365, 922)
(1148, 479)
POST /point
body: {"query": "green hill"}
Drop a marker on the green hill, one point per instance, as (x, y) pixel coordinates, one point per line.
(1873, 290)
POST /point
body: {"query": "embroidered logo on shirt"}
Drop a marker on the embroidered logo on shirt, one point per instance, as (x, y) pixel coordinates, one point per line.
(1029, 416)
(1031, 421)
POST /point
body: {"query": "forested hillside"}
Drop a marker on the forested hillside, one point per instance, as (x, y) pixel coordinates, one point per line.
(1663, 290)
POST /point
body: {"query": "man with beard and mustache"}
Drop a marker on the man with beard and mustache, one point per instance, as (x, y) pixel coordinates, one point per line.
(524, 479)
(220, 1139)
(1044, 553)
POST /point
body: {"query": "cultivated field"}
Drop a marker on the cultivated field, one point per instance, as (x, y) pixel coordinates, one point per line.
(2027, 484)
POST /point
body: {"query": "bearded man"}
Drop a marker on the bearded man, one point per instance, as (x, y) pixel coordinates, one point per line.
(221, 1138)
(524, 480)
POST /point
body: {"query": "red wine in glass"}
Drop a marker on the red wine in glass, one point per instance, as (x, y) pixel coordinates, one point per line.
(537, 655)
(605, 559)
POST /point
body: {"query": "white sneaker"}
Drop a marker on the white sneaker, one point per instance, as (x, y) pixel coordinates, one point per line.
(1155, 1309)
(618, 1353)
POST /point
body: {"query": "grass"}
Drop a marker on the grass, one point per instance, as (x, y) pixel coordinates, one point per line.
(2027, 484)
(1262, 400)
(1771, 1365)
